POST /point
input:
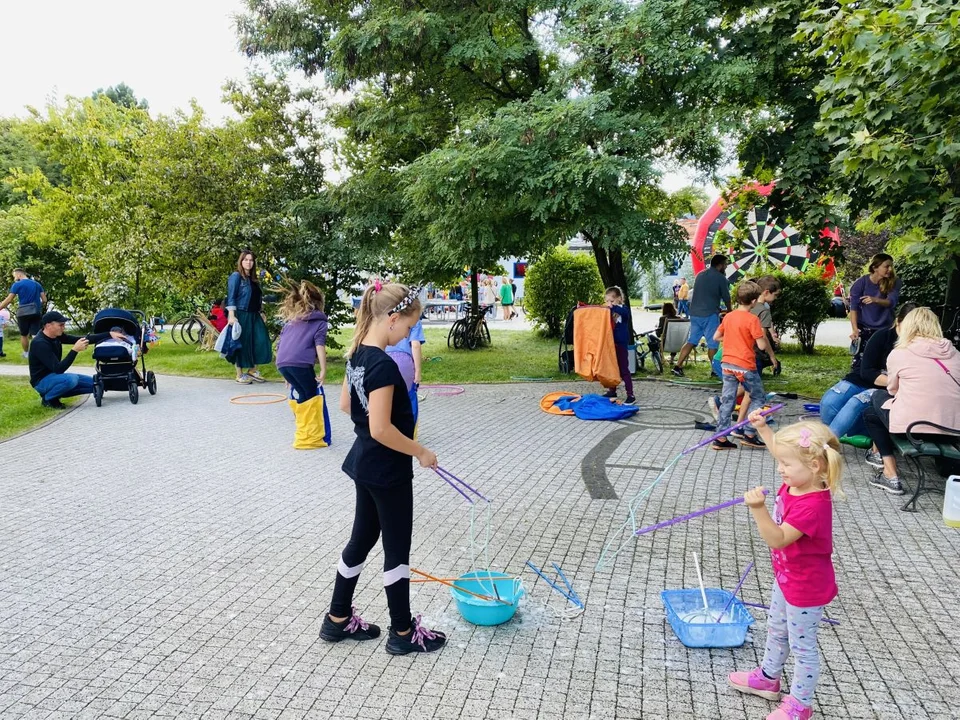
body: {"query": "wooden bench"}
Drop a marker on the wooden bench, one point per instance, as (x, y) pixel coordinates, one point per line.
(915, 449)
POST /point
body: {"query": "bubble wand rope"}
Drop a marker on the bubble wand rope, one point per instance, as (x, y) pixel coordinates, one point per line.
(743, 579)
(631, 520)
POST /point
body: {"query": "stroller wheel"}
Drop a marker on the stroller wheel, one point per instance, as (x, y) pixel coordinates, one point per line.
(151, 382)
(134, 392)
(98, 391)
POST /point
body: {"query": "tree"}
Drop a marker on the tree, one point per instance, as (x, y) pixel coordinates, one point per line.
(122, 95)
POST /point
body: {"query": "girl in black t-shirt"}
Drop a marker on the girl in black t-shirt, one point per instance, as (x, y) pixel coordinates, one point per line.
(379, 463)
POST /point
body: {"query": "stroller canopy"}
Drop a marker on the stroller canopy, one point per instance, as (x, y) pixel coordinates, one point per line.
(109, 318)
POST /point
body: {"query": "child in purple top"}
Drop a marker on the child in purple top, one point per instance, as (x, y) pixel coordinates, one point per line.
(303, 339)
(800, 536)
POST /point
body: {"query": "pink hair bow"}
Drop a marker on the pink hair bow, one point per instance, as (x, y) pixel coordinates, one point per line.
(804, 441)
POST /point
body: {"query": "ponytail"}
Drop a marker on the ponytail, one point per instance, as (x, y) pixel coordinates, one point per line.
(377, 301)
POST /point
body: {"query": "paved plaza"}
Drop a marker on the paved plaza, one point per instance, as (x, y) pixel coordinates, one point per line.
(175, 558)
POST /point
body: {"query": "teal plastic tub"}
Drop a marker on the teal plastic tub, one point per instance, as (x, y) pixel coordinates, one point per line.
(486, 612)
(731, 632)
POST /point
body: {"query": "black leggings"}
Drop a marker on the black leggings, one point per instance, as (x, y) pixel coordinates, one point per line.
(303, 380)
(877, 421)
(390, 511)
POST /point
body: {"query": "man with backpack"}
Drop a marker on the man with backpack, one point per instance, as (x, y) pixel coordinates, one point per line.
(31, 301)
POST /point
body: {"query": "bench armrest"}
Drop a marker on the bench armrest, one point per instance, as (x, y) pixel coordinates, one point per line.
(918, 443)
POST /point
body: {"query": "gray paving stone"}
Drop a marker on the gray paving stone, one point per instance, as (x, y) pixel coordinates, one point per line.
(188, 584)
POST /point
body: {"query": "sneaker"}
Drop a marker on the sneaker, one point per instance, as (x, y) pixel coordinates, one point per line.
(631, 400)
(874, 459)
(723, 444)
(418, 640)
(25, 355)
(54, 404)
(738, 434)
(755, 683)
(610, 394)
(244, 379)
(3, 354)
(891, 485)
(353, 628)
(791, 709)
(752, 441)
(713, 405)
(677, 370)
(257, 377)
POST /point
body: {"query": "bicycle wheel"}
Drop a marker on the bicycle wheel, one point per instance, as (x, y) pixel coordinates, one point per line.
(657, 361)
(175, 328)
(472, 337)
(457, 334)
(485, 333)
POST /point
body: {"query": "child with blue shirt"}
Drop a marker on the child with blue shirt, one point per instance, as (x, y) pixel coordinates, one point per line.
(613, 299)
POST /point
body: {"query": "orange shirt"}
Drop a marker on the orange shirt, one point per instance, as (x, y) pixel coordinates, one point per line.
(740, 329)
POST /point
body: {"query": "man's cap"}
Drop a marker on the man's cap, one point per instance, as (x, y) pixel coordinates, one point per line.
(52, 316)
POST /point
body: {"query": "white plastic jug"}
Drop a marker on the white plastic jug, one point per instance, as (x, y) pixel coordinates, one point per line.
(951, 502)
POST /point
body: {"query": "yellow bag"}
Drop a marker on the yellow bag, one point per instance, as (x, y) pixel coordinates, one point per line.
(313, 423)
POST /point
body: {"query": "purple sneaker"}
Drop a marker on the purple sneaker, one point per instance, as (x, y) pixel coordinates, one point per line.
(755, 683)
(791, 709)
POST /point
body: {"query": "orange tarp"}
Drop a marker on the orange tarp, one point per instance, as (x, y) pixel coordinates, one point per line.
(548, 400)
(594, 355)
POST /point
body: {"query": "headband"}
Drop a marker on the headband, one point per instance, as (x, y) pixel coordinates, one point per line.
(411, 296)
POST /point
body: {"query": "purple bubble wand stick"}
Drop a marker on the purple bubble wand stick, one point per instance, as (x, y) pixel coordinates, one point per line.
(730, 429)
(743, 579)
(691, 516)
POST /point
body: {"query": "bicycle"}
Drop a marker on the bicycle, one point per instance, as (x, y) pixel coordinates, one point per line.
(652, 351)
(470, 331)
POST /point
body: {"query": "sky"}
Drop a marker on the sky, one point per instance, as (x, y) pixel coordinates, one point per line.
(168, 52)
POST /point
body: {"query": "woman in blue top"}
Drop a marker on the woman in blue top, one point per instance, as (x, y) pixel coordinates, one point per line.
(872, 300)
(245, 306)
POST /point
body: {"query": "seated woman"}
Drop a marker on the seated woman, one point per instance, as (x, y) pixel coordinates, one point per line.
(923, 383)
(669, 312)
(842, 406)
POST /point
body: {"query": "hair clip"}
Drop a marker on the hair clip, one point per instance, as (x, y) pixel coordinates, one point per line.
(412, 295)
(377, 285)
(804, 440)
(826, 446)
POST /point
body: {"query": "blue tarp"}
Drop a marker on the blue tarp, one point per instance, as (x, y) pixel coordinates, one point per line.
(596, 407)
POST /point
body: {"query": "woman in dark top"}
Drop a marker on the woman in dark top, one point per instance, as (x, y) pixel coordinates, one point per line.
(842, 406)
(380, 465)
(872, 300)
(245, 306)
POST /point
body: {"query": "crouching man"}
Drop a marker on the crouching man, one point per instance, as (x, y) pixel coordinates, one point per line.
(48, 367)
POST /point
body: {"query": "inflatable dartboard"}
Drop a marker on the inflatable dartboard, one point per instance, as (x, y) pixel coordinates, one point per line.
(767, 241)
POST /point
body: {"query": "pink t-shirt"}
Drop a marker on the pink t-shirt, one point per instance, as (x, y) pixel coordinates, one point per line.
(804, 570)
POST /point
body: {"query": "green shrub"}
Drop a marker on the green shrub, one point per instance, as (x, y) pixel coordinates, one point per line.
(921, 283)
(803, 303)
(555, 283)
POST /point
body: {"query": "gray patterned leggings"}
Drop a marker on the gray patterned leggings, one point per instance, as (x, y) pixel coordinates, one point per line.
(793, 629)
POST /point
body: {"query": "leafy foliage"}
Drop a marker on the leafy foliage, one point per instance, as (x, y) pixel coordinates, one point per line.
(803, 303)
(922, 283)
(555, 283)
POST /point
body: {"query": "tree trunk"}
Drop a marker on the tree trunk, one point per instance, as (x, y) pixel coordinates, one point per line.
(474, 293)
(610, 265)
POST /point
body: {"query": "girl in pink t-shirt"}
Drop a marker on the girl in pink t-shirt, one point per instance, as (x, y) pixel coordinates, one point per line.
(800, 536)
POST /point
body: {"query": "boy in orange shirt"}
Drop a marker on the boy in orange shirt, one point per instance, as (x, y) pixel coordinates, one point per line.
(739, 330)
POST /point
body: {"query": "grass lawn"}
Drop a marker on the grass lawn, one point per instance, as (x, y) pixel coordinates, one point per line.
(21, 409)
(514, 354)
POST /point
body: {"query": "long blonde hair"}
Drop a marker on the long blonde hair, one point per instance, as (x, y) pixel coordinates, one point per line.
(299, 299)
(378, 301)
(919, 323)
(813, 443)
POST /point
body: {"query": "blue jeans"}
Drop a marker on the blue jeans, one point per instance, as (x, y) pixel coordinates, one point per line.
(732, 377)
(684, 307)
(64, 385)
(842, 408)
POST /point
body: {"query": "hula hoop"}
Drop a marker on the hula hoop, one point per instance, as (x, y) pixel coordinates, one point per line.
(237, 399)
(701, 383)
(443, 390)
(531, 379)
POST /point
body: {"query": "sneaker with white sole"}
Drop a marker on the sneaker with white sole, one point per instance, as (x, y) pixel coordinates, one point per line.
(891, 485)
(873, 459)
(791, 709)
(244, 379)
(677, 370)
(257, 377)
(755, 683)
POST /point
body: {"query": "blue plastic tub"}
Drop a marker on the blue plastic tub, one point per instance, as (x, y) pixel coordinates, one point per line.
(731, 632)
(486, 612)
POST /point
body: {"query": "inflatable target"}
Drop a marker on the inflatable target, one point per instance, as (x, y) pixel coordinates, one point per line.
(768, 242)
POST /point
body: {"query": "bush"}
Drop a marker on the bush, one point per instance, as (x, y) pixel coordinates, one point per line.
(922, 283)
(803, 303)
(555, 283)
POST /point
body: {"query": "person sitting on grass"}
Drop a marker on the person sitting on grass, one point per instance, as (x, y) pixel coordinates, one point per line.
(739, 331)
(48, 372)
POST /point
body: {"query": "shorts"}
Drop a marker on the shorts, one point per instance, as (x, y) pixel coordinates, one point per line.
(29, 325)
(704, 327)
(507, 304)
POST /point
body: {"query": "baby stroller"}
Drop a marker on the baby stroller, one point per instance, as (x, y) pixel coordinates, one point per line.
(117, 359)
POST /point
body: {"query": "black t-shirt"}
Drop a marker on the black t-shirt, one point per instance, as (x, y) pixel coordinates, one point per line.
(874, 361)
(369, 462)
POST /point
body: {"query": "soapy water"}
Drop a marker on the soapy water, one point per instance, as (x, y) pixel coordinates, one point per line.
(701, 616)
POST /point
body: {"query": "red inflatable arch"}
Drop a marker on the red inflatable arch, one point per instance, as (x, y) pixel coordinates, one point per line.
(783, 246)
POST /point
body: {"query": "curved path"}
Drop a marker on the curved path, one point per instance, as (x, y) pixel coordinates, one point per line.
(174, 559)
